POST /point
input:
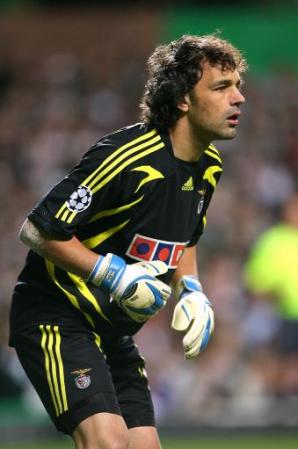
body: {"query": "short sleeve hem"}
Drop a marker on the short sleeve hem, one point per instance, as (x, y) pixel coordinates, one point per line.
(49, 228)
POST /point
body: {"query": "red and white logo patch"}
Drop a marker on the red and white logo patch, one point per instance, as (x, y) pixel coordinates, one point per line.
(146, 248)
(82, 379)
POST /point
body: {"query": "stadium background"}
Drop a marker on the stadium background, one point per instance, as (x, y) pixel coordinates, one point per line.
(72, 71)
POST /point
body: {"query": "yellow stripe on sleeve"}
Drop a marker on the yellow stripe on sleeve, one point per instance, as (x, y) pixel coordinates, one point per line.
(65, 214)
(125, 164)
(71, 217)
(108, 169)
(111, 172)
(118, 151)
(119, 159)
(60, 210)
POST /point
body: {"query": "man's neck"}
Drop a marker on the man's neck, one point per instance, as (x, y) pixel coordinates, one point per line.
(187, 146)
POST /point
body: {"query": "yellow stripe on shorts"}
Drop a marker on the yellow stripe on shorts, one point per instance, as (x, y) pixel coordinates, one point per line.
(51, 344)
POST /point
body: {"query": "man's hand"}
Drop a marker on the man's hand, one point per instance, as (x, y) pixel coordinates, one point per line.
(134, 287)
(193, 314)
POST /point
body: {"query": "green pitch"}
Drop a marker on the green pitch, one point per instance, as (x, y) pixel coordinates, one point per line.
(242, 441)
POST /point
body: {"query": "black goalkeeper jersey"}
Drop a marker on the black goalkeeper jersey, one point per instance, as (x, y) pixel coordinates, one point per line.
(129, 196)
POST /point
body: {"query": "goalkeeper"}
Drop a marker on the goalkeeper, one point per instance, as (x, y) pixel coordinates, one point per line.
(109, 242)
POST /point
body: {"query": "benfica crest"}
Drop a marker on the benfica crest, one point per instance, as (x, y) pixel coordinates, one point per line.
(82, 379)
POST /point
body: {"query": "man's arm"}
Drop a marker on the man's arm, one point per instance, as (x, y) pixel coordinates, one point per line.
(187, 266)
(70, 255)
(134, 287)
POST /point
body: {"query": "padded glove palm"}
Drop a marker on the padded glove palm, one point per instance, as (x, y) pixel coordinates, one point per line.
(134, 287)
(193, 314)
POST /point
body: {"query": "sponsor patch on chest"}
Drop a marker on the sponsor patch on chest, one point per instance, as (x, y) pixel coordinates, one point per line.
(147, 248)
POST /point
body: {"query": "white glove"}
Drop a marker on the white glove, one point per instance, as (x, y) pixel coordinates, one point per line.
(193, 314)
(134, 287)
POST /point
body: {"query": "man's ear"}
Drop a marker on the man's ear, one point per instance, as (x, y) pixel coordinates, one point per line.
(184, 104)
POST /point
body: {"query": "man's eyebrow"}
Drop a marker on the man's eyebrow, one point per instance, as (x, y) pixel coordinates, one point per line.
(223, 82)
(228, 82)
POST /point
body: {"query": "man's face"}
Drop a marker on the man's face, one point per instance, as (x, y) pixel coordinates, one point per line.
(214, 103)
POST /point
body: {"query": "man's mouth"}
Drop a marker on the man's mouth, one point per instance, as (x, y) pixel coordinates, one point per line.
(233, 119)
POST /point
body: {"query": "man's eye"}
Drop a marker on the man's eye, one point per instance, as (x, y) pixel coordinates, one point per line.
(220, 88)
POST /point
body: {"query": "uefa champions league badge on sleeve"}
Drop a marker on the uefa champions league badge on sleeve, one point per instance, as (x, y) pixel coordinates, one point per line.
(82, 379)
(80, 199)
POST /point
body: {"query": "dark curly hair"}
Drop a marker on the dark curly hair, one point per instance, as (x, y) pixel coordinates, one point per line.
(174, 69)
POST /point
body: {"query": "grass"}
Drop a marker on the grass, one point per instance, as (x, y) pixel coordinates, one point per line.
(231, 441)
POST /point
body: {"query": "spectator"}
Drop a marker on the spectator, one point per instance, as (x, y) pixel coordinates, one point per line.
(271, 274)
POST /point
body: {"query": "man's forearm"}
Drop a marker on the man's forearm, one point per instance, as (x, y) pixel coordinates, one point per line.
(187, 265)
(70, 255)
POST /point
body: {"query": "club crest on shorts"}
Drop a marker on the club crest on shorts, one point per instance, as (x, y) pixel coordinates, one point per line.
(82, 379)
(80, 199)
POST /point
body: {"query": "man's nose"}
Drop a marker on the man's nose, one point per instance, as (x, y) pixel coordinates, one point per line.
(238, 98)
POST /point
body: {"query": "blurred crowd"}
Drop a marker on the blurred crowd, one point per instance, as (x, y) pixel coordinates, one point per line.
(51, 112)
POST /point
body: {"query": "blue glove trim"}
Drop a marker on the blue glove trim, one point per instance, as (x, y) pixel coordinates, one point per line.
(159, 301)
(191, 284)
(147, 311)
(206, 336)
(114, 273)
(155, 307)
(96, 268)
(126, 292)
(185, 311)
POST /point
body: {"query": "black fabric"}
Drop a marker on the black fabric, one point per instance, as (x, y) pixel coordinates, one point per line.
(116, 371)
(129, 196)
(134, 199)
(98, 403)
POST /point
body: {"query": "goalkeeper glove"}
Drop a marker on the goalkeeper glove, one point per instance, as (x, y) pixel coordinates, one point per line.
(134, 287)
(193, 314)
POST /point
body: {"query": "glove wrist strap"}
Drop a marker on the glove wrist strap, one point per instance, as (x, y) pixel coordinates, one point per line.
(107, 271)
(114, 272)
(99, 270)
(187, 284)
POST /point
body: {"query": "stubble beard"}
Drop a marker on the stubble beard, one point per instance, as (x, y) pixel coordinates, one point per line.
(226, 133)
(230, 135)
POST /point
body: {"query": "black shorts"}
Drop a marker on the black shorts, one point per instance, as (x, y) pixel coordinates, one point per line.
(78, 373)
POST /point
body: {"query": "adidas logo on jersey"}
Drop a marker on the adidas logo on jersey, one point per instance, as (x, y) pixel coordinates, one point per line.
(188, 185)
